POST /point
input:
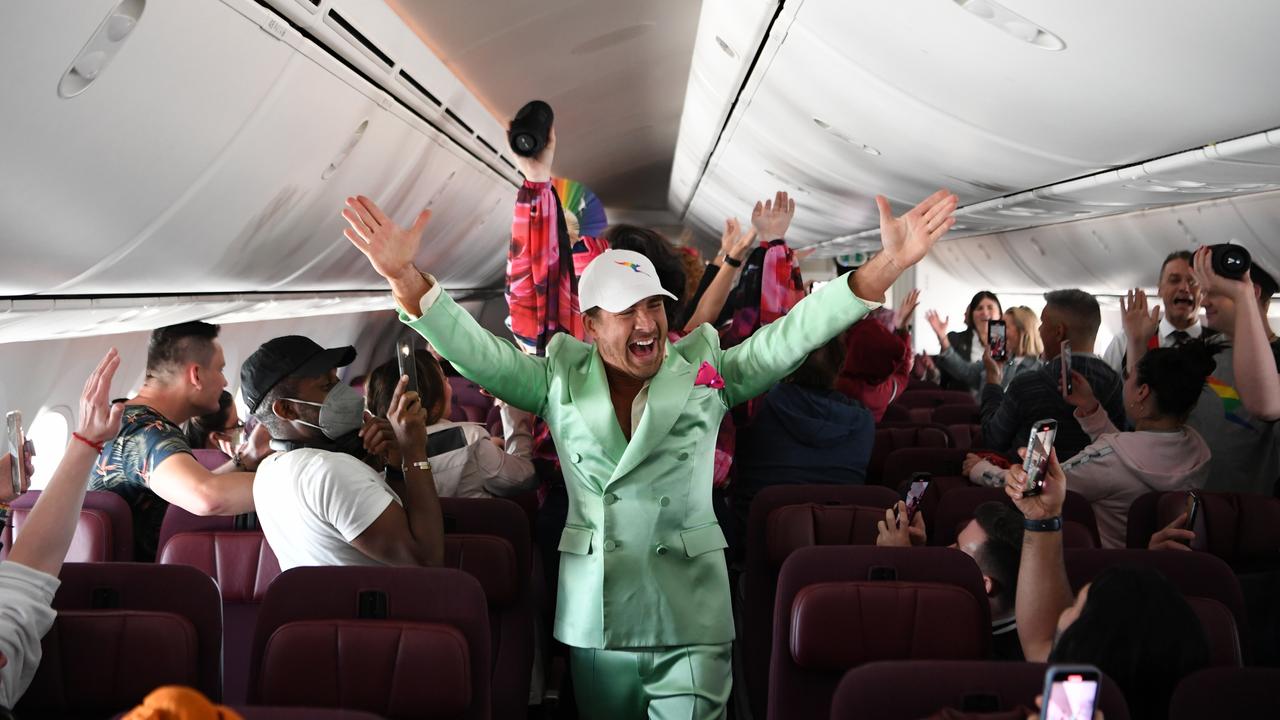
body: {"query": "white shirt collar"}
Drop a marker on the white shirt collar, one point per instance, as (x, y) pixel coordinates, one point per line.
(1167, 328)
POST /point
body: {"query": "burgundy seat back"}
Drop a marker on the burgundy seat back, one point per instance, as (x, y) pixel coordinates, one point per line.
(1140, 523)
(1194, 574)
(938, 460)
(209, 458)
(914, 689)
(401, 642)
(896, 413)
(1242, 529)
(761, 580)
(935, 398)
(960, 414)
(244, 565)
(122, 630)
(491, 540)
(1227, 693)
(1219, 630)
(469, 404)
(956, 506)
(965, 436)
(894, 436)
(792, 527)
(104, 532)
(838, 607)
(176, 520)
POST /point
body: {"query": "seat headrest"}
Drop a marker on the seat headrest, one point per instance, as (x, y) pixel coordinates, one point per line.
(489, 559)
(839, 625)
(393, 668)
(792, 527)
(242, 562)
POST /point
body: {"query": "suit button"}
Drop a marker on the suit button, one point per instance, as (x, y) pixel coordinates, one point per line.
(610, 545)
(610, 498)
(577, 457)
(662, 550)
(682, 456)
(664, 501)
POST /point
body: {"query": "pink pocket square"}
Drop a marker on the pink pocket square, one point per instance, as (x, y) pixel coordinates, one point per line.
(708, 376)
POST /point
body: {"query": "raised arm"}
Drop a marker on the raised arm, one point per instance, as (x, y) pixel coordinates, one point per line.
(734, 245)
(1043, 589)
(1140, 325)
(181, 480)
(779, 347)
(46, 535)
(495, 364)
(1252, 360)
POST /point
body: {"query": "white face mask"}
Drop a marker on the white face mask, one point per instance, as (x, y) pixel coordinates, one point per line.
(341, 413)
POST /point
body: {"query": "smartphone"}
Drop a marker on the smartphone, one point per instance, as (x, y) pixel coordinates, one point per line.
(996, 340)
(408, 364)
(1039, 445)
(1070, 692)
(1195, 523)
(919, 483)
(1066, 367)
(17, 446)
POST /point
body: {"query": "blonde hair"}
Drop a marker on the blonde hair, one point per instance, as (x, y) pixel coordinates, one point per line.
(1028, 328)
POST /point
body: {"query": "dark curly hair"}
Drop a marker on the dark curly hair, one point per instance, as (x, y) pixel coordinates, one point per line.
(1176, 374)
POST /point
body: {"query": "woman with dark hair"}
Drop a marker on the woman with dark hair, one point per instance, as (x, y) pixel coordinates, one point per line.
(1023, 349)
(220, 430)
(465, 460)
(965, 347)
(1162, 453)
(1130, 622)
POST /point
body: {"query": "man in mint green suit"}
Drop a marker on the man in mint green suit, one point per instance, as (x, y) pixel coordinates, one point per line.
(644, 594)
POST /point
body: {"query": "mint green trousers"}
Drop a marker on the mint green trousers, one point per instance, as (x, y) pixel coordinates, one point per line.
(687, 682)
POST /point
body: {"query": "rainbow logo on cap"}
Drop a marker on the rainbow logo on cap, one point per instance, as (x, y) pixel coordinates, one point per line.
(635, 267)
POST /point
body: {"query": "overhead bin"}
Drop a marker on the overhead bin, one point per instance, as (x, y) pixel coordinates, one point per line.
(214, 153)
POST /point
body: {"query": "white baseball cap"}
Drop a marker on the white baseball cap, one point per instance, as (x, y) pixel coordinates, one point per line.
(617, 279)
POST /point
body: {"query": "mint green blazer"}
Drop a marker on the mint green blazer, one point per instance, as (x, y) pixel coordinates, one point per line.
(642, 562)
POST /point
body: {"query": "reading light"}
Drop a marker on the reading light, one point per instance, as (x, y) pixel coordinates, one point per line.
(845, 136)
(1012, 24)
(726, 48)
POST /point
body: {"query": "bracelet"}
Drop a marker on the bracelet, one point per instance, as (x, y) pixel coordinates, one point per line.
(732, 262)
(424, 465)
(1052, 524)
(96, 446)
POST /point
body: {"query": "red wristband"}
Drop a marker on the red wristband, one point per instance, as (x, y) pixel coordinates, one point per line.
(96, 446)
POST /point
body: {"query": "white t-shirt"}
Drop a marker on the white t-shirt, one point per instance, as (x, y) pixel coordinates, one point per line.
(313, 503)
(25, 616)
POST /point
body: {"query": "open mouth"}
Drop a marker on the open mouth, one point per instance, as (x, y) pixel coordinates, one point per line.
(644, 350)
(1184, 301)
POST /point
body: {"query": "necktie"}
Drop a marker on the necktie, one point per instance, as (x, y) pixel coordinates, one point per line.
(1179, 337)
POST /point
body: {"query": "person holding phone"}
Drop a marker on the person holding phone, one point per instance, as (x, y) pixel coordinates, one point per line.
(1130, 622)
(1161, 454)
(1009, 412)
(318, 501)
(1022, 349)
(465, 462)
(962, 351)
(28, 579)
(644, 600)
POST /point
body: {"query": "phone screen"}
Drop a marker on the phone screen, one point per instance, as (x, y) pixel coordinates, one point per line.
(1066, 367)
(1072, 694)
(919, 483)
(996, 340)
(408, 366)
(1039, 445)
(17, 446)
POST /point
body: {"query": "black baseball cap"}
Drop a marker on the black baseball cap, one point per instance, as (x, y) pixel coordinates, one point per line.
(283, 357)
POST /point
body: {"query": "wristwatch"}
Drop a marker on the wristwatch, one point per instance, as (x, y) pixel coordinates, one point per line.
(731, 261)
(424, 465)
(1052, 524)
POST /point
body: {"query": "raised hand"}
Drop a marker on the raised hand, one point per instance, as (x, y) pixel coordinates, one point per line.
(994, 371)
(1139, 322)
(1081, 396)
(1210, 281)
(99, 417)
(408, 419)
(734, 242)
(538, 167)
(938, 323)
(906, 309)
(908, 238)
(1053, 491)
(389, 247)
(894, 531)
(772, 217)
